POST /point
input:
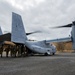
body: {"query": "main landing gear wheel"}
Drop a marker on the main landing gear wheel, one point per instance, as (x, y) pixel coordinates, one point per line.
(53, 53)
(46, 54)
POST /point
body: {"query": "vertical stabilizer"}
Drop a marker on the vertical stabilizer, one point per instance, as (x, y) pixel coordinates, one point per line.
(18, 33)
(1, 31)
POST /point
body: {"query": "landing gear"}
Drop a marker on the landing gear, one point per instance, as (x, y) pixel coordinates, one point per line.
(53, 53)
(46, 54)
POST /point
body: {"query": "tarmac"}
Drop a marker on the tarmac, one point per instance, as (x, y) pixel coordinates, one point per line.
(59, 64)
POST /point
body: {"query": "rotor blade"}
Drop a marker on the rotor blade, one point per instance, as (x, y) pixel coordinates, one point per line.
(68, 25)
(32, 32)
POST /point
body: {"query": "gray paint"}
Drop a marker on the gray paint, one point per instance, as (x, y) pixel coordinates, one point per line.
(1, 31)
(18, 35)
(18, 32)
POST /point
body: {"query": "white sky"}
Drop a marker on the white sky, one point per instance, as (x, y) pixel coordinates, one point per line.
(39, 15)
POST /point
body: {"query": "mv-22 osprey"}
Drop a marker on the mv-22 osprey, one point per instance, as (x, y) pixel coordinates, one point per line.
(18, 35)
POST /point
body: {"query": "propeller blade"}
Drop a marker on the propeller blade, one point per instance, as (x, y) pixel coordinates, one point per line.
(32, 32)
(68, 25)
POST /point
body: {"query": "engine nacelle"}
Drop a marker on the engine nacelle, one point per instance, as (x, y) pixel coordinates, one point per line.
(73, 36)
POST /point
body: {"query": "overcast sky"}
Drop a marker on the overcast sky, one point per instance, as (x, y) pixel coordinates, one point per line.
(39, 15)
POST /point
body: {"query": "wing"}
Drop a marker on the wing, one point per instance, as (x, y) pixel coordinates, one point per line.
(67, 39)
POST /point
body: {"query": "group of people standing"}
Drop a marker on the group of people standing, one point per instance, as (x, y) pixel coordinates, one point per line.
(17, 50)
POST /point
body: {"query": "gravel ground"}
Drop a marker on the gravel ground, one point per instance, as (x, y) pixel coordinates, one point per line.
(59, 64)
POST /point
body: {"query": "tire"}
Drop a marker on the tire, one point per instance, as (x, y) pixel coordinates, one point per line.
(46, 54)
(53, 53)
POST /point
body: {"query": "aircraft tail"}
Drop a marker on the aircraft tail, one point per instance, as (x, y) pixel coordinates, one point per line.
(1, 31)
(18, 34)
